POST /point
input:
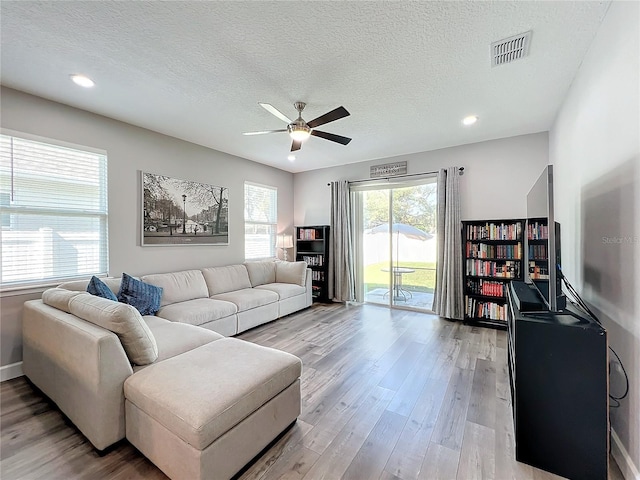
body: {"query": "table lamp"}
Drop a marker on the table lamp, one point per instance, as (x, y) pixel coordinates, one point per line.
(284, 241)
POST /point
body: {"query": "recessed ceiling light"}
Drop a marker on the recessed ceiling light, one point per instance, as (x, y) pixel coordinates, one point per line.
(470, 120)
(82, 80)
(291, 158)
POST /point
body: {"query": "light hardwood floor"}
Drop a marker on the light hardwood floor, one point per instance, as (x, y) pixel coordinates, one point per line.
(386, 394)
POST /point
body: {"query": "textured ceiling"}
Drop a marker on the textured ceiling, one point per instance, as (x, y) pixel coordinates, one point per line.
(407, 71)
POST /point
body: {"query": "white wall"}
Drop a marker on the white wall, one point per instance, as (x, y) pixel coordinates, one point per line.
(595, 149)
(131, 149)
(497, 176)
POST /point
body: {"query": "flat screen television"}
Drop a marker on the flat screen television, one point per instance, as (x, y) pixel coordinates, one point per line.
(543, 242)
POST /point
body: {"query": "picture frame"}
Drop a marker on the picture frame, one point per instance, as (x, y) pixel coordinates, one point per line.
(183, 212)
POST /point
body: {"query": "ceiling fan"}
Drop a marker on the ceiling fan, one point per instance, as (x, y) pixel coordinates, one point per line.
(299, 130)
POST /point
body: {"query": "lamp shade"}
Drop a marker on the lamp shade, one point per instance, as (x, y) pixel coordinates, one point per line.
(284, 241)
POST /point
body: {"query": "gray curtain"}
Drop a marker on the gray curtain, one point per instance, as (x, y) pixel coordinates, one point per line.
(342, 283)
(448, 298)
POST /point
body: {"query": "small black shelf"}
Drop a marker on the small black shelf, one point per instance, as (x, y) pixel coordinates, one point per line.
(312, 246)
(478, 232)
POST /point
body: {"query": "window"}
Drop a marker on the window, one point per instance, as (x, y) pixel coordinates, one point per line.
(260, 221)
(54, 212)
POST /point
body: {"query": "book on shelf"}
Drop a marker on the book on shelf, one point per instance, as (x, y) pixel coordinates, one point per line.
(475, 308)
(318, 276)
(538, 272)
(487, 288)
(313, 260)
(483, 250)
(307, 234)
(538, 251)
(494, 231)
(488, 268)
(537, 231)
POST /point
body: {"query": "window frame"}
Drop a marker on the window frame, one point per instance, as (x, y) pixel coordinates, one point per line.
(101, 214)
(273, 225)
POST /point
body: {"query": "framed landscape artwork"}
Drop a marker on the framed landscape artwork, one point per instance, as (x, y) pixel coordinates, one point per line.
(183, 212)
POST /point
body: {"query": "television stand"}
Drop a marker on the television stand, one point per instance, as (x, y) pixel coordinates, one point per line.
(558, 365)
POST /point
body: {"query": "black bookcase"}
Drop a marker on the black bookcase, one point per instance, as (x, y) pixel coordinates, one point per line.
(312, 247)
(492, 252)
(559, 387)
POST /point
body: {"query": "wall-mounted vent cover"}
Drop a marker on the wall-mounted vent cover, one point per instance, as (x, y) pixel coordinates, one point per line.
(510, 49)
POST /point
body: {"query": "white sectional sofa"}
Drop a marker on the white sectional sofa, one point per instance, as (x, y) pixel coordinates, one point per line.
(229, 299)
(174, 373)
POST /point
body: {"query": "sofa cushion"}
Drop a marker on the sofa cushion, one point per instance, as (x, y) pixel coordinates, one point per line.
(261, 273)
(201, 411)
(81, 285)
(197, 311)
(226, 279)
(175, 338)
(59, 298)
(141, 295)
(284, 290)
(100, 289)
(179, 286)
(123, 320)
(248, 298)
(291, 272)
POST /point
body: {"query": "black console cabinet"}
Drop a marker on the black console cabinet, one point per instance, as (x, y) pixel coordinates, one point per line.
(559, 388)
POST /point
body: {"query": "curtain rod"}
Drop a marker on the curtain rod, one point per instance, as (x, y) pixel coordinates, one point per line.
(460, 171)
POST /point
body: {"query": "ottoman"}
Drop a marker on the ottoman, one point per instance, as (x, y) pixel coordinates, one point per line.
(206, 413)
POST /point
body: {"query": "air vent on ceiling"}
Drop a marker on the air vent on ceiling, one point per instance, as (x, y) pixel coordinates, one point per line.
(510, 49)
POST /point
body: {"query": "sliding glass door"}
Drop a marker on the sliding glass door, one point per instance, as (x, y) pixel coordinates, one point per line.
(397, 243)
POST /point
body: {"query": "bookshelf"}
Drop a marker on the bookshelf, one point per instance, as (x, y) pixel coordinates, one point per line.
(493, 252)
(312, 247)
(537, 249)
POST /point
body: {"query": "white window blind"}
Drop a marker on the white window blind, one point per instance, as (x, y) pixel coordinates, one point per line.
(260, 220)
(53, 201)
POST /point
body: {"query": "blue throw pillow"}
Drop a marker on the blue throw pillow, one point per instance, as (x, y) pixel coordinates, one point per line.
(143, 296)
(98, 288)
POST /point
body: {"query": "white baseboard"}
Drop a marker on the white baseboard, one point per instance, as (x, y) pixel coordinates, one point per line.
(11, 371)
(622, 458)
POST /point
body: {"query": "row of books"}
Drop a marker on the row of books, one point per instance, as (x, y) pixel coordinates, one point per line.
(309, 234)
(537, 231)
(494, 231)
(485, 287)
(317, 275)
(538, 272)
(313, 260)
(486, 268)
(538, 252)
(479, 309)
(482, 250)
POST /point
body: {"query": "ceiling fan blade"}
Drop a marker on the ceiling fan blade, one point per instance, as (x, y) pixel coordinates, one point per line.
(264, 131)
(296, 146)
(274, 111)
(331, 116)
(331, 136)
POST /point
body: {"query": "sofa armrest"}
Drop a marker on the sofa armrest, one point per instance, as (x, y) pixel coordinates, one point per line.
(308, 283)
(80, 366)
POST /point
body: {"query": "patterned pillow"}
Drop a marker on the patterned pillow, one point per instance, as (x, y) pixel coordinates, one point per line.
(143, 296)
(98, 288)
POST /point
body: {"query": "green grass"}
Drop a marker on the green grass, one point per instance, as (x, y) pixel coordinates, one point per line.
(421, 280)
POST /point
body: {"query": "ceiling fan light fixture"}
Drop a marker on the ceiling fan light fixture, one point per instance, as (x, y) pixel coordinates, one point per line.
(299, 133)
